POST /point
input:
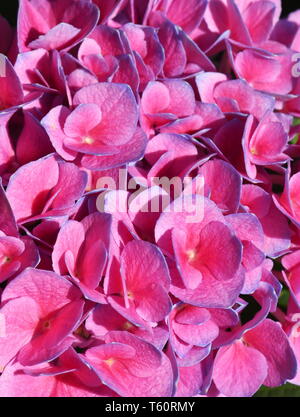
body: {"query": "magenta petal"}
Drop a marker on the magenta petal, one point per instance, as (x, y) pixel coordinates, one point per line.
(153, 376)
(252, 257)
(213, 254)
(69, 188)
(33, 142)
(217, 173)
(147, 279)
(7, 220)
(97, 226)
(11, 249)
(211, 293)
(92, 265)
(191, 275)
(190, 381)
(37, 284)
(187, 18)
(50, 344)
(238, 30)
(30, 256)
(197, 335)
(132, 151)
(17, 331)
(6, 35)
(64, 23)
(239, 370)
(119, 111)
(259, 20)
(173, 46)
(28, 187)
(83, 119)
(69, 377)
(70, 237)
(90, 294)
(145, 361)
(60, 34)
(10, 87)
(53, 122)
(280, 357)
(127, 73)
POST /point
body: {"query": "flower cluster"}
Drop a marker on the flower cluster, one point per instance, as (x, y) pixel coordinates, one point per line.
(150, 198)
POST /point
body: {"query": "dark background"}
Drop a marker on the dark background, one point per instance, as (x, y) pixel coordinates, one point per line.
(8, 9)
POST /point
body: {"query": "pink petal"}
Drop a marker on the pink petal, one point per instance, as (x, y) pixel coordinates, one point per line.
(175, 56)
(265, 72)
(29, 187)
(182, 98)
(152, 378)
(10, 86)
(206, 83)
(131, 151)
(153, 265)
(211, 293)
(49, 344)
(147, 357)
(248, 99)
(239, 370)
(92, 265)
(280, 357)
(70, 237)
(69, 188)
(210, 253)
(147, 279)
(7, 220)
(33, 142)
(83, 119)
(217, 173)
(60, 381)
(247, 227)
(38, 284)
(43, 16)
(190, 381)
(258, 17)
(17, 330)
(60, 34)
(10, 250)
(119, 111)
(191, 209)
(156, 98)
(188, 18)
(53, 122)
(198, 335)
